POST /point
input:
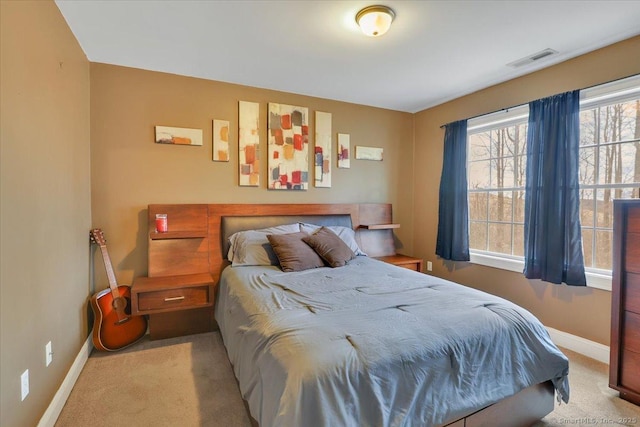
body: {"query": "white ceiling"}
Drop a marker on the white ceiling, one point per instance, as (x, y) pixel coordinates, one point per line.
(435, 51)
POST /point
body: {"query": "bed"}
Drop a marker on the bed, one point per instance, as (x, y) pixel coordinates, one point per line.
(369, 343)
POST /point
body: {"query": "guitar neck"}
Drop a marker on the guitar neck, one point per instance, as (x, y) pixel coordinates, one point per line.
(117, 301)
(113, 284)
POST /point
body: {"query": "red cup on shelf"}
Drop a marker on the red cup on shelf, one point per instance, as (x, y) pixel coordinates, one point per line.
(161, 223)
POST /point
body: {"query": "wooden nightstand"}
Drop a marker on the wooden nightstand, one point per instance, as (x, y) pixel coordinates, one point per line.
(176, 305)
(402, 261)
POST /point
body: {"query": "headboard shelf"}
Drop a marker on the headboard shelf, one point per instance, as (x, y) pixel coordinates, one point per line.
(180, 234)
(379, 226)
(195, 240)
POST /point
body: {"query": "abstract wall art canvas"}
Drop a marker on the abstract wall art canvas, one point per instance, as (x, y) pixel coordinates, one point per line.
(368, 153)
(288, 147)
(249, 143)
(178, 136)
(344, 147)
(220, 141)
(322, 152)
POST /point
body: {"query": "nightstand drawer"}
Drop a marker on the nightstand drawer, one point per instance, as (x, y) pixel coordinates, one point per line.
(163, 294)
(169, 299)
(403, 261)
(411, 266)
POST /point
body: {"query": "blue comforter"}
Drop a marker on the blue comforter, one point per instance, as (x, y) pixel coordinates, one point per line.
(371, 344)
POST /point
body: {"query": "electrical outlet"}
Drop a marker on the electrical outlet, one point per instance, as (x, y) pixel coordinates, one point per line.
(429, 266)
(48, 354)
(24, 382)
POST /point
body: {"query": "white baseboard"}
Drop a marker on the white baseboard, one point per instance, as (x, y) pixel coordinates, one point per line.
(52, 413)
(592, 349)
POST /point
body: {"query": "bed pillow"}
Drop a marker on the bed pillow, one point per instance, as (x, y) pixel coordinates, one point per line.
(293, 253)
(347, 235)
(251, 247)
(331, 248)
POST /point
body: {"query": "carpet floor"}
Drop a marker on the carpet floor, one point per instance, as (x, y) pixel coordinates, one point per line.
(188, 381)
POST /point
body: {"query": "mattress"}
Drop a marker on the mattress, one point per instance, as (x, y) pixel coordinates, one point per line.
(372, 344)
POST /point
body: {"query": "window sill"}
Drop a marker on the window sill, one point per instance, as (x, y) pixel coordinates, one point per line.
(594, 279)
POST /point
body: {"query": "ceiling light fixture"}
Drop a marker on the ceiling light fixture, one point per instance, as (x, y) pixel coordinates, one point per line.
(374, 21)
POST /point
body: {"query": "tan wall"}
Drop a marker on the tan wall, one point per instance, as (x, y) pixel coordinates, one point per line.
(45, 204)
(52, 180)
(580, 311)
(130, 171)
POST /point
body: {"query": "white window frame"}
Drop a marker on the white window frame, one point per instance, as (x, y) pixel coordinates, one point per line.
(617, 91)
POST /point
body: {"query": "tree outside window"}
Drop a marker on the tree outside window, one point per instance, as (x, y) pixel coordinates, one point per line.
(609, 169)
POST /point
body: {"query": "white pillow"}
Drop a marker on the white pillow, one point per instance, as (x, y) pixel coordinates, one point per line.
(251, 247)
(345, 233)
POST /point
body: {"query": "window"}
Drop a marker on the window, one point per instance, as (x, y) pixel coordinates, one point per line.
(609, 169)
(496, 178)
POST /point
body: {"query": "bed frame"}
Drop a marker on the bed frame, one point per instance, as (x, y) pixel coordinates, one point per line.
(196, 243)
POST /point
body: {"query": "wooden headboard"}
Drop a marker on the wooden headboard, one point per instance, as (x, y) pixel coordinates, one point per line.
(194, 243)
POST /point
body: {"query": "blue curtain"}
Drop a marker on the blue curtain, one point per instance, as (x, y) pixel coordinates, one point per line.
(453, 213)
(553, 241)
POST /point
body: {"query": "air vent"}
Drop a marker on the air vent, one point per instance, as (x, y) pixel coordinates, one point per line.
(532, 58)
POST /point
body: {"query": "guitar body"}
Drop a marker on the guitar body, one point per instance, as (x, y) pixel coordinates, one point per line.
(110, 331)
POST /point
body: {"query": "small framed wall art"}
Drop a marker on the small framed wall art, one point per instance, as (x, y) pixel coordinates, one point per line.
(220, 141)
(178, 136)
(344, 146)
(368, 153)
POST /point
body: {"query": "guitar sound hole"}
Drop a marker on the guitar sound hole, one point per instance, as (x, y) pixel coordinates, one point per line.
(122, 303)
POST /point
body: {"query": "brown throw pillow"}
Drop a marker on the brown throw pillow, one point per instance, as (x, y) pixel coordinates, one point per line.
(330, 247)
(293, 253)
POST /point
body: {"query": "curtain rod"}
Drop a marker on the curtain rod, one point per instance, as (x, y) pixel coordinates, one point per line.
(519, 105)
(484, 114)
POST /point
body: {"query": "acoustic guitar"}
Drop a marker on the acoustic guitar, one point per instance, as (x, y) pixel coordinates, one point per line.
(114, 327)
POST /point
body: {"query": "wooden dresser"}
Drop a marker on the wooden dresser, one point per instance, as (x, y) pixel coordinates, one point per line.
(624, 367)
